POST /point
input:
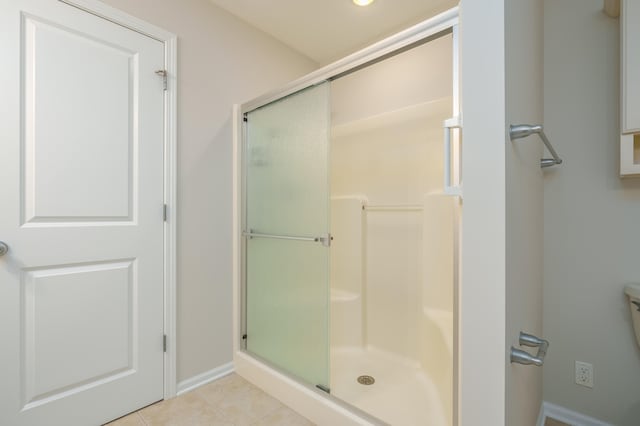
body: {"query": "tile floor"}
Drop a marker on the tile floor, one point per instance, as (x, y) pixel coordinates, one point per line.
(229, 401)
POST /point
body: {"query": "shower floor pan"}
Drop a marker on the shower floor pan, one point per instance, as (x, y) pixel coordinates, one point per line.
(402, 393)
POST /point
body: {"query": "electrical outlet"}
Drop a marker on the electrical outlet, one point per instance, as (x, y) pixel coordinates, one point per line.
(584, 374)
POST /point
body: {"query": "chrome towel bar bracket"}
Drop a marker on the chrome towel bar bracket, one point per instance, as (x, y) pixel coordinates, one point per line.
(518, 131)
(521, 357)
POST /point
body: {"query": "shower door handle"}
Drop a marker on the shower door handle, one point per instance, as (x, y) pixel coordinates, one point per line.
(325, 240)
(449, 187)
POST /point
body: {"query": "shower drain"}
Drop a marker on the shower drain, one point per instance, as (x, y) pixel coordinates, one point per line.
(366, 380)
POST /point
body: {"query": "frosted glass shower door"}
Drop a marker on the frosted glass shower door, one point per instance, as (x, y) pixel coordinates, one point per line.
(286, 233)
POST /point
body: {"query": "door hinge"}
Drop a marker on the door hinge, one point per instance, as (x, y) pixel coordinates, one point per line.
(164, 343)
(164, 212)
(163, 74)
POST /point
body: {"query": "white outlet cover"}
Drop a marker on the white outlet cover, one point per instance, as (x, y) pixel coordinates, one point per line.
(584, 374)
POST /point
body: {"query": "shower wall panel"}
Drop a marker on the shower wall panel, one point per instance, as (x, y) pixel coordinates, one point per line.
(393, 159)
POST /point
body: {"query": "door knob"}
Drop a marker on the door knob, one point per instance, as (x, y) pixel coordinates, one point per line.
(3, 248)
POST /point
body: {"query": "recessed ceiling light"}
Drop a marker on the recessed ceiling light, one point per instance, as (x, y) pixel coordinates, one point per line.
(362, 2)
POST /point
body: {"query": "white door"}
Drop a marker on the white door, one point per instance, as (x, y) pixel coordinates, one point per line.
(81, 200)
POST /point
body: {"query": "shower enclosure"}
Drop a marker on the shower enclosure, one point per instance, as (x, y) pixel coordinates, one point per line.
(348, 206)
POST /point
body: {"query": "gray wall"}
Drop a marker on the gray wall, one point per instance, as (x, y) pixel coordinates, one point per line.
(591, 218)
(221, 61)
(524, 186)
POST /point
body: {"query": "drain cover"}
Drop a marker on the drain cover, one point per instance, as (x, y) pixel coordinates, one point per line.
(366, 380)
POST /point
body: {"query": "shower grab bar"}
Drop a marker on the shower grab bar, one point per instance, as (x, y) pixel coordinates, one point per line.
(326, 241)
(517, 131)
(521, 357)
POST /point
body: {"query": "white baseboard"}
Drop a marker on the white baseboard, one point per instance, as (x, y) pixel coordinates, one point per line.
(204, 378)
(556, 412)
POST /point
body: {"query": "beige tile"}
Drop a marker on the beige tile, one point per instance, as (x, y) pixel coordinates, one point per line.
(230, 386)
(283, 417)
(131, 420)
(233, 381)
(186, 410)
(553, 422)
(239, 401)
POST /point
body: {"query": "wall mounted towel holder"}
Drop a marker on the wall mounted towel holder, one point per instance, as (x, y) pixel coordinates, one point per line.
(518, 131)
(521, 357)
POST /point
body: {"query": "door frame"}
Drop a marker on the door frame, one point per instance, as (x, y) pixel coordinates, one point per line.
(313, 404)
(170, 42)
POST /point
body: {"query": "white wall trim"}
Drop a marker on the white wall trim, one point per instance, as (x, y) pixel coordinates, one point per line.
(171, 224)
(481, 305)
(119, 17)
(202, 379)
(170, 42)
(556, 412)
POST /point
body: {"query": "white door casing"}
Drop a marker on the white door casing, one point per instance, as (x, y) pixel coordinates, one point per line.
(82, 291)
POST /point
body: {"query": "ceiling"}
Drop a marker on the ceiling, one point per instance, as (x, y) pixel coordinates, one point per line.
(326, 30)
